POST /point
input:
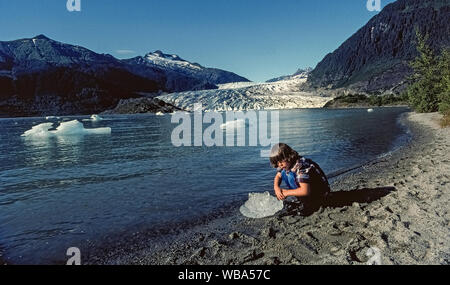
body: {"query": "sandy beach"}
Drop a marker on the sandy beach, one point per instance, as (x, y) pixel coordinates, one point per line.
(394, 210)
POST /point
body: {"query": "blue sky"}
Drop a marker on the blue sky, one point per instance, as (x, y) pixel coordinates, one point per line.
(258, 39)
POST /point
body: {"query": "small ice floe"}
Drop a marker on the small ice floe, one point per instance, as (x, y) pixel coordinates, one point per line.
(159, 113)
(261, 205)
(96, 118)
(180, 112)
(65, 128)
(370, 110)
(240, 123)
(40, 130)
(93, 118)
(50, 117)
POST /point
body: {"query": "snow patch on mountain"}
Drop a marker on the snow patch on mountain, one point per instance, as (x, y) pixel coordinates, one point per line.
(298, 74)
(172, 64)
(170, 61)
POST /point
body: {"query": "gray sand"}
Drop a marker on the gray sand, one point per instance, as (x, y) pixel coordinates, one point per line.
(397, 206)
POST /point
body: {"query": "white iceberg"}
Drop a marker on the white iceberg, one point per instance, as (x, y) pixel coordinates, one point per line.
(65, 128)
(261, 205)
(40, 130)
(234, 124)
(159, 113)
(93, 118)
(96, 118)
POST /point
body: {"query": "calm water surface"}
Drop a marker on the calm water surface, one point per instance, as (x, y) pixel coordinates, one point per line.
(61, 191)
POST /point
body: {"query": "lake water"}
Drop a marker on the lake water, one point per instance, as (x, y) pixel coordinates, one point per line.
(61, 191)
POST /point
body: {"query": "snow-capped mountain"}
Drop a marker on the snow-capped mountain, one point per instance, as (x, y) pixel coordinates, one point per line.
(302, 72)
(42, 76)
(282, 94)
(172, 63)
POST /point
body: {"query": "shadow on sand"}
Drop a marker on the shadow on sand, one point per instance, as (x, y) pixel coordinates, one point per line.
(340, 199)
(337, 199)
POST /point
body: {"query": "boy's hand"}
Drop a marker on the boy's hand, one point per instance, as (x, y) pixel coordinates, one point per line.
(279, 193)
(276, 187)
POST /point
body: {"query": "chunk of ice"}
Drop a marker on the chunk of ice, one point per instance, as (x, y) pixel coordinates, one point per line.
(235, 124)
(93, 118)
(76, 128)
(40, 130)
(261, 205)
(65, 128)
(96, 118)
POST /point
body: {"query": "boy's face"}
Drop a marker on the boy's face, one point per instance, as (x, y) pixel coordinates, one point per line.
(283, 165)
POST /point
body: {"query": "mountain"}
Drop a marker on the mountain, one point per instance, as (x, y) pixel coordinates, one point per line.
(375, 59)
(173, 64)
(40, 76)
(302, 72)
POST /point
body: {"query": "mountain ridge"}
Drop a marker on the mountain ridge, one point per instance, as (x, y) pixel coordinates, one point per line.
(301, 71)
(40, 76)
(375, 58)
(174, 63)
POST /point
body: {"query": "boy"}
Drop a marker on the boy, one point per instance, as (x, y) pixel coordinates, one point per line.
(303, 177)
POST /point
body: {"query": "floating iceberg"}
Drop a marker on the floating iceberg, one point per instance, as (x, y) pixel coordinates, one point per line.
(40, 130)
(65, 128)
(240, 123)
(93, 118)
(261, 205)
(160, 114)
(96, 118)
(370, 110)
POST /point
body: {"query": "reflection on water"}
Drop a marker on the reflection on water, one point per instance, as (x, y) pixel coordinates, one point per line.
(43, 150)
(60, 191)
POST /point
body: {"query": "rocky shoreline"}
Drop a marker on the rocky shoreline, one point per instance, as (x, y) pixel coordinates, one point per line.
(396, 207)
(141, 105)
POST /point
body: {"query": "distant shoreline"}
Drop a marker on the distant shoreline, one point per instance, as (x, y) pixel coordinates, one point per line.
(108, 113)
(366, 106)
(363, 101)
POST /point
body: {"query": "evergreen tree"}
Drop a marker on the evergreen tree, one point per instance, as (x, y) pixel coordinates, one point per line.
(423, 93)
(444, 95)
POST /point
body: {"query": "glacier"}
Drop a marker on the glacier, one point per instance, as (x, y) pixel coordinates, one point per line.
(241, 96)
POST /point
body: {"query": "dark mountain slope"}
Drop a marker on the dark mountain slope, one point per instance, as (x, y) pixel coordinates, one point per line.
(40, 76)
(375, 58)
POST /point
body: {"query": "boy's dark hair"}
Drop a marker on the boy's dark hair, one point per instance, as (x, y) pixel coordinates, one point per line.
(283, 152)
